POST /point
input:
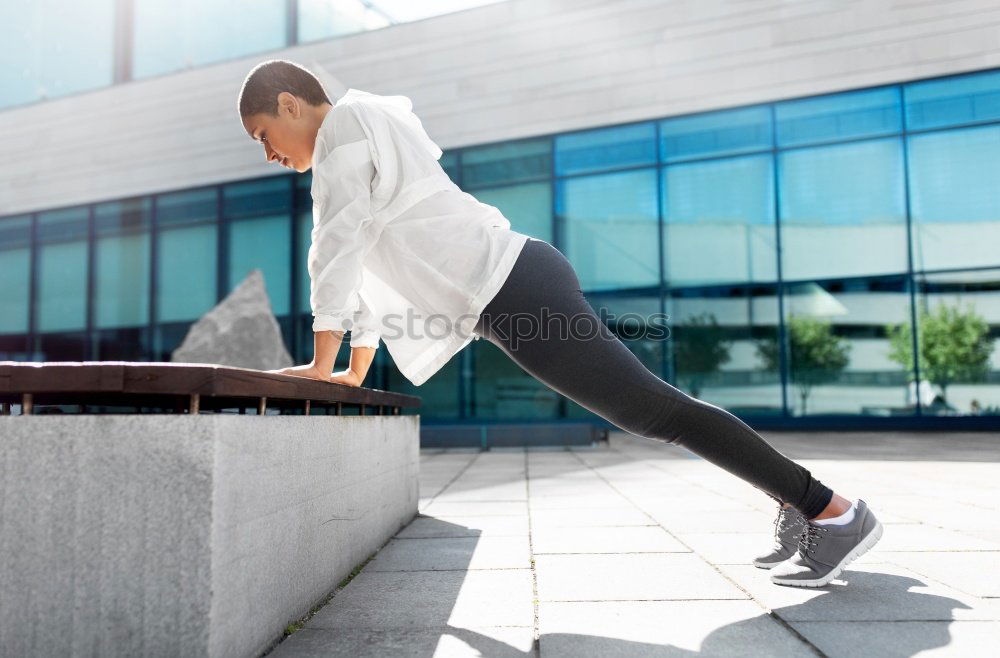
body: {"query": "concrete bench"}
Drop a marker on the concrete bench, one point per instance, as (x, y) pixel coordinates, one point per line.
(183, 530)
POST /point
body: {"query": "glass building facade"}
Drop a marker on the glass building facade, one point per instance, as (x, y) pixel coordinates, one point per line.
(808, 257)
(50, 56)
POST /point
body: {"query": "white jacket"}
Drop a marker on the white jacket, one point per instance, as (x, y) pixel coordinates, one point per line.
(399, 252)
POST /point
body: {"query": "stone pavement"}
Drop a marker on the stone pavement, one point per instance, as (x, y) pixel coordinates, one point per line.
(637, 548)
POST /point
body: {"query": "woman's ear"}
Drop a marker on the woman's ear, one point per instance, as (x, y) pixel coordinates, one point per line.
(290, 103)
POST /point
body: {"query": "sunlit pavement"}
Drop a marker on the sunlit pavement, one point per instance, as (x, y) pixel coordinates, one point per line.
(636, 548)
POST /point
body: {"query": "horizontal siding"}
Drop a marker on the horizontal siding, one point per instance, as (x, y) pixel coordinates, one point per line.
(499, 72)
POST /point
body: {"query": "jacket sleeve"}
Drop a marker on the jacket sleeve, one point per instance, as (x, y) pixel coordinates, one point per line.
(344, 231)
(366, 331)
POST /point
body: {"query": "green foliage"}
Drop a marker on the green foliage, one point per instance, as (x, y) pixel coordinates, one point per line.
(699, 349)
(954, 345)
(816, 355)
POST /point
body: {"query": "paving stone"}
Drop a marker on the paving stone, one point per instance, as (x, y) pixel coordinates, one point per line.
(728, 547)
(560, 518)
(465, 526)
(661, 628)
(920, 537)
(608, 539)
(902, 638)
(446, 642)
(603, 501)
(630, 577)
(703, 502)
(453, 553)
(680, 520)
(504, 492)
(430, 599)
(876, 592)
(475, 508)
(973, 572)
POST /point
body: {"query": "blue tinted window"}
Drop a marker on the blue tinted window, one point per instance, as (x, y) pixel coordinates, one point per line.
(15, 273)
(260, 236)
(61, 303)
(842, 210)
(187, 243)
(53, 48)
(715, 133)
(955, 197)
(528, 207)
(449, 162)
(305, 221)
(262, 243)
(607, 148)
(172, 35)
(610, 228)
(121, 276)
(952, 101)
(849, 115)
(506, 163)
(322, 19)
(719, 219)
(257, 198)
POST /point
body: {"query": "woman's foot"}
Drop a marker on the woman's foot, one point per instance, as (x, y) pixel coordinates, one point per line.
(824, 550)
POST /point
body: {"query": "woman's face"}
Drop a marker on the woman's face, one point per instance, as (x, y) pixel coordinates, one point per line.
(290, 137)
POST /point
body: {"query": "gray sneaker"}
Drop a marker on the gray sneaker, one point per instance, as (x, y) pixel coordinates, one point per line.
(787, 528)
(824, 550)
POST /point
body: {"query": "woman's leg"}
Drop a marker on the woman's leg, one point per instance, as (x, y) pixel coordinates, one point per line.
(568, 348)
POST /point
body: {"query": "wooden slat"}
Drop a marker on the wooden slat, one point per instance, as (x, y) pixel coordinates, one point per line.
(182, 379)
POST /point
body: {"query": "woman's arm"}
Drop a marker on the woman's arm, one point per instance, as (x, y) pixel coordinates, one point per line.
(326, 344)
(361, 360)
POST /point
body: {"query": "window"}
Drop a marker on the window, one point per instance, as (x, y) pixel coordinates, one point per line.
(607, 148)
(842, 210)
(839, 350)
(498, 164)
(15, 273)
(61, 303)
(173, 35)
(259, 227)
(955, 198)
(952, 101)
(527, 206)
(187, 243)
(712, 348)
(121, 275)
(836, 117)
(712, 134)
(610, 228)
(719, 221)
(47, 54)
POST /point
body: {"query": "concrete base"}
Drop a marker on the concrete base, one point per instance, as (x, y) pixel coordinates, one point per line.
(189, 535)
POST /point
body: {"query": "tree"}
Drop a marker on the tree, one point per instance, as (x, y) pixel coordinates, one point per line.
(953, 345)
(699, 349)
(816, 355)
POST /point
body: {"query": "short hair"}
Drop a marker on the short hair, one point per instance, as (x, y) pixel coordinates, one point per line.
(259, 94)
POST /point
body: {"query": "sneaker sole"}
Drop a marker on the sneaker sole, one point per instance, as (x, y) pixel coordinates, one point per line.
(767, 565)
(863, 546)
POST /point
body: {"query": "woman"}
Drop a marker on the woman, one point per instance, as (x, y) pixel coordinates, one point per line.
(394, 238)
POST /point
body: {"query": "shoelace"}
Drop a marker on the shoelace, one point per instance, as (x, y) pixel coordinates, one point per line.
(786, 518)
(809, 537)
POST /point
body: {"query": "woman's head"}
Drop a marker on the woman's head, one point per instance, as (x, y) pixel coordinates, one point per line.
(282, 105)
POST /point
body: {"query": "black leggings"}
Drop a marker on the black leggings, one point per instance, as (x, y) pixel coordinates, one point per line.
(590, 366)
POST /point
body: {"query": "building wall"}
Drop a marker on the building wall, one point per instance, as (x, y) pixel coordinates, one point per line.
(499, 72)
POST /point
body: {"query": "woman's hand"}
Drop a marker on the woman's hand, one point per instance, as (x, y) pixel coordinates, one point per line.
(308, 370)
(348, 377)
